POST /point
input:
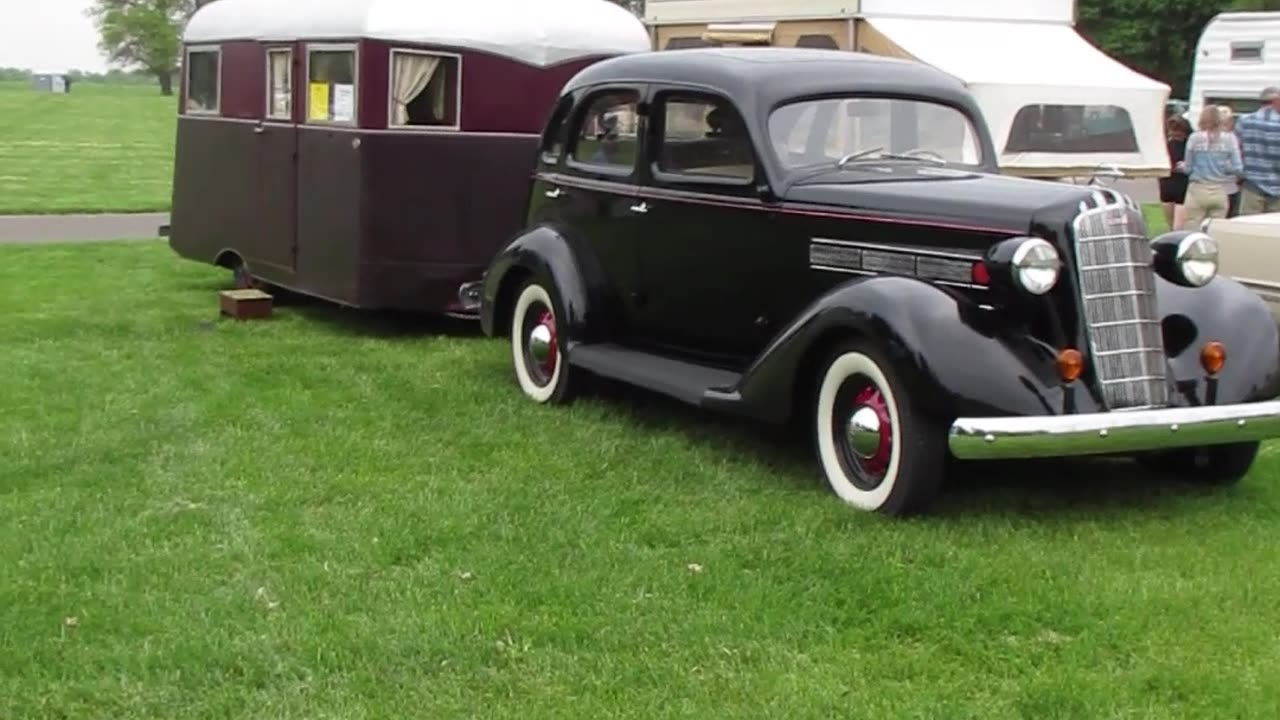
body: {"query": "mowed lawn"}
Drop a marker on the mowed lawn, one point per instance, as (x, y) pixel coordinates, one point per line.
(98, 148)
(341, 515)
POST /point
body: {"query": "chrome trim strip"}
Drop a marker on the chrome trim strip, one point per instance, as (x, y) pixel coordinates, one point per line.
(1112, 432)
(873, 273)
(899, 249)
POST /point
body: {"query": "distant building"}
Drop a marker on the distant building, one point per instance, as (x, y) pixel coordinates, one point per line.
(51, 82)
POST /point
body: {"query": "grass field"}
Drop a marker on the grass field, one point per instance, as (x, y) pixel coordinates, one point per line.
(337, 515)
(99, 148)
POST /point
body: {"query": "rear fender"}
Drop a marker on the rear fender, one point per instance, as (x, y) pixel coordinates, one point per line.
(555, 256)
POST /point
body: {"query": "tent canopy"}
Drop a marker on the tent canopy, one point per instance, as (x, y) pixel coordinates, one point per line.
(1055, 104)
(540, 33)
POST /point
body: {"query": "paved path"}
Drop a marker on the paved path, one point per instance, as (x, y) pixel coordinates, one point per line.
(79, 228)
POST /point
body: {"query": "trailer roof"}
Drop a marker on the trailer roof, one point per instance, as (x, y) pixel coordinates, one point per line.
(537, 32)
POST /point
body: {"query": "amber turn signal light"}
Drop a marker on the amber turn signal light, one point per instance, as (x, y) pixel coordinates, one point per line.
(1212, 357)
(1070, 364)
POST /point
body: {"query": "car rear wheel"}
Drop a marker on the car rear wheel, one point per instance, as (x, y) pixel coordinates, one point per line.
(1213, 464)
(537, 348)
(878, 450)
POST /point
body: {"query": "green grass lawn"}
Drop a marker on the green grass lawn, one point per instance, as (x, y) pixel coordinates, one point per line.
(99, 148)
(339, 515)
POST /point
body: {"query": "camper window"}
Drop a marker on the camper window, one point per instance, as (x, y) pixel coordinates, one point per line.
(1072, 129)
(203, 76)
(822, 42)
(704, 137)
(424, 89)
(1246, 51)
(680, 43)
(606, 136)
(280, 84)
(331, 84)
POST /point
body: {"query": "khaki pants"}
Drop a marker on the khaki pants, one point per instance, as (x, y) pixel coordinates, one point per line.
(1255, 203)
(1204, 200)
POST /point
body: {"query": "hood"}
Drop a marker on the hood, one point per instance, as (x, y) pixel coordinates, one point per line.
(943, 195)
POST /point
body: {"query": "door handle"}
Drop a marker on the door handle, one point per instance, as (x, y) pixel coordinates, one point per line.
(259, 130)
(642, 208)
(554, 193)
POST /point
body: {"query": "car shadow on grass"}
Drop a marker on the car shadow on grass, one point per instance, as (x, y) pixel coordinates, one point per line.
(1050, 487)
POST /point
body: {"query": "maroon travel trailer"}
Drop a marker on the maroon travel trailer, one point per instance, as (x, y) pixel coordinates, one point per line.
(375, 153)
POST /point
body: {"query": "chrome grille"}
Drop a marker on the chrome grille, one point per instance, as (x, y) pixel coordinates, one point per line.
(1117, 290)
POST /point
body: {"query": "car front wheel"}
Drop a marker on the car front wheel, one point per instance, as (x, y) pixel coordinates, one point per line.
(536, 346)
(878, 450)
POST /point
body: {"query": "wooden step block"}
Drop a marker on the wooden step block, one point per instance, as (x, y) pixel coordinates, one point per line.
(246, 304)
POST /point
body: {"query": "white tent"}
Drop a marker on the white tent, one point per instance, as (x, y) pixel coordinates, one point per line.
(1055, 104)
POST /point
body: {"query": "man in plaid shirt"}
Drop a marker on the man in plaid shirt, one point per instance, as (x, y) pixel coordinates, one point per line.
(1259, 134)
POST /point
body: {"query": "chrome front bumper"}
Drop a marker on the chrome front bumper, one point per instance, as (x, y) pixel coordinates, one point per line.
(1120, 431)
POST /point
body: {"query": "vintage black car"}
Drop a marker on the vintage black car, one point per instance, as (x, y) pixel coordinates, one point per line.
(785, 233)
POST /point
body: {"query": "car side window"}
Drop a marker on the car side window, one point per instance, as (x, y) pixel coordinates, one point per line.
(554, 134)
(704, 138)
(607, 135)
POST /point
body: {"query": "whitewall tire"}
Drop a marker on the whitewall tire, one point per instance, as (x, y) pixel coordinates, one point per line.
(537, 349)
(878, 452)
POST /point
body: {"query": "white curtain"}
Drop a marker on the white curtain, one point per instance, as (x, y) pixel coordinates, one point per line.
(412, 73)
(281, 93)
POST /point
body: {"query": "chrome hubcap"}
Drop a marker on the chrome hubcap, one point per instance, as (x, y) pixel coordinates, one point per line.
(540, 345)
(864, 432)
(869, 433)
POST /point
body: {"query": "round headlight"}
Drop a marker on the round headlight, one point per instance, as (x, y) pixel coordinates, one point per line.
(1197, 259)
(1035, 266)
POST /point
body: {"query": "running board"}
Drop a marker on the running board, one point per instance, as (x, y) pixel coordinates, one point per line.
(684, 381)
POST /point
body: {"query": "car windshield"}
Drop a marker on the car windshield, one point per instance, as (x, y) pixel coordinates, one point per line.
(848, 133)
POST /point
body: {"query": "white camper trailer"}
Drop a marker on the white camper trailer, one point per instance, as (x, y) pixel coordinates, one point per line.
(1056, 106)
(1237, 57)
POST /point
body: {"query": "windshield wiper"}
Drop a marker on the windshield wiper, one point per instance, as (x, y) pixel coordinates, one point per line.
(878, 154)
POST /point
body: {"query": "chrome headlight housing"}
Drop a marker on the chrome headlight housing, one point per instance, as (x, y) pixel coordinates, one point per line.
(1035, 265)
(1187, 258)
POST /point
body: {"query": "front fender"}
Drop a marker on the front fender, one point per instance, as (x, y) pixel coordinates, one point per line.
(955, 357)
(556, 256)
(1230, 313)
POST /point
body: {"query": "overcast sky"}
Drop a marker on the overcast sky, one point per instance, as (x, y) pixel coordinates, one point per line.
(49, 35)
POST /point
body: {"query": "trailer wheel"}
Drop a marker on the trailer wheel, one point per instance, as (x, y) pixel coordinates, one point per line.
(879, 451)
(537, 348)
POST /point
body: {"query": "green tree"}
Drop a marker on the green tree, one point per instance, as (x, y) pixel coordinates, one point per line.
(1156, 37)
(144, 34)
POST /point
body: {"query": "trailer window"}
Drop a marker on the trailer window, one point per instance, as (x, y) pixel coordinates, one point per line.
(607, 133)
(681, 43)
(331, 84)
(1246, 51)
(203, 71)
(424, 89)
(704, 138)
(822, 42)
(280, 89)
(1072, 129)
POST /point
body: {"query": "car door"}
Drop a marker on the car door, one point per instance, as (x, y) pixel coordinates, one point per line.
(711, 249)
(593, 195)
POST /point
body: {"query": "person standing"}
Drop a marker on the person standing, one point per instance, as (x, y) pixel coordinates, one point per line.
(1259, 134)
(1173, 188)
(1211, 163)
(1233, 187)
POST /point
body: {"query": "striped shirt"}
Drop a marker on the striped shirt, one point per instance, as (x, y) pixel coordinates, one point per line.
(1212, 159)
(1260, 145)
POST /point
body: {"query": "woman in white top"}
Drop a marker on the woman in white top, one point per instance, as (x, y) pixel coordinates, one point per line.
(1212, 163)
(1233, 187)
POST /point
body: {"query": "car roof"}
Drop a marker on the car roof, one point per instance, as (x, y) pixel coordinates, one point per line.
(773, 75)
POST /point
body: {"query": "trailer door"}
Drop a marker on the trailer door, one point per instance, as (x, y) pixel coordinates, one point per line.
(278, 162)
